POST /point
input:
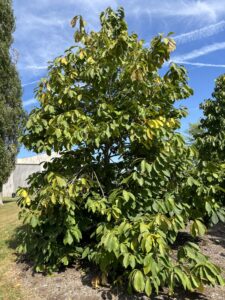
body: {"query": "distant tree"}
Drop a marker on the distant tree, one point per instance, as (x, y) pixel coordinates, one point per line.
(211, 140)
(213, 124)
(193, 132)
(11, 112)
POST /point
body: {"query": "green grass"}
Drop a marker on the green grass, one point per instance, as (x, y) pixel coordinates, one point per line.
(9, 288)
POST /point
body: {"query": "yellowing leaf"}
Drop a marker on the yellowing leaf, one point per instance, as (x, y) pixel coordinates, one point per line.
(171, 122)
(53, 198)
(24, 193)
(64, 61)
(90, 60)
(81, 55)
(157, 123)
(95, 282)
(137, 75)
(60, 181)
(149, 134)
(27, 201)
(172, 45)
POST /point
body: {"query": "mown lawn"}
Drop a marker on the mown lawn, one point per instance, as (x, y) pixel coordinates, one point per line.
(9, 289)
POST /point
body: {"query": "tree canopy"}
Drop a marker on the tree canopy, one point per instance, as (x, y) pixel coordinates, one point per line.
(123, 186)
(11, 112)
(210, 139)
(213, 123)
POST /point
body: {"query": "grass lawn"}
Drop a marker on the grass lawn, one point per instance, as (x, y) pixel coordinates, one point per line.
(9, 290)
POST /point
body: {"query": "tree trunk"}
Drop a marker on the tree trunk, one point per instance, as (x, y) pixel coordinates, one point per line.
(1, 196)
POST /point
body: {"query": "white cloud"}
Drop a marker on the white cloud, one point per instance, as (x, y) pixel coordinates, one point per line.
(211, 10)
(43, 30)
(30, 83)
(198, 64)
(29, 102)
(199, 52)
(200, 33)
(35, 67)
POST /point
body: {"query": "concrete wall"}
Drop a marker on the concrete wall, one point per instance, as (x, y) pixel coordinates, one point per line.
(8, 187)
(24, 167)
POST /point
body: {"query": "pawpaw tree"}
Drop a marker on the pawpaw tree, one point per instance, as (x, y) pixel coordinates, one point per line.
(121, 190)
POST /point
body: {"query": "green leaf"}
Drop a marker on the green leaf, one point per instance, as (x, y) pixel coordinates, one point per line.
(138, 281)
(140, 181)
(34, 221)
(68, 239)
(53, 198)
(144, 227)
(97, 142)
(214, 218)
(85, 252)
(126, 260)
(112, 243)
(208, 208)
(184, 280)
(58, 133)
(126, 195)
(198, 228)
(143, 166)
(132, 261)
(65, 261)
(76, 233)
(148, 243)
(61, 181)
(166, 172)
(148, 287)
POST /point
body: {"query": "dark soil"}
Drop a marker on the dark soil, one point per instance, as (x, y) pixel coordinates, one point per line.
(75, 284)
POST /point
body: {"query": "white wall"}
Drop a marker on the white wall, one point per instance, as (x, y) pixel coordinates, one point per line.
(24, 167)
(18, 178)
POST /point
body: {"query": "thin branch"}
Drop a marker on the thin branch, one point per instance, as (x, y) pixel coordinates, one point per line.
(99, 184)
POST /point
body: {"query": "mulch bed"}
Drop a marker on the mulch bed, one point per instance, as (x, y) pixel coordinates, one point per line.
(75, 284)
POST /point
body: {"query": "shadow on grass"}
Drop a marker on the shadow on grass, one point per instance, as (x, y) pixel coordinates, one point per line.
(13, 243)
(14, 240)
(9, 200)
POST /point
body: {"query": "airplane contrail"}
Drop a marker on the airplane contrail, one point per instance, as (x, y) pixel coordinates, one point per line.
(200, 33)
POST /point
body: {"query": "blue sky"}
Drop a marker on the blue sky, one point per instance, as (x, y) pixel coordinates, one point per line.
(43, 31)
